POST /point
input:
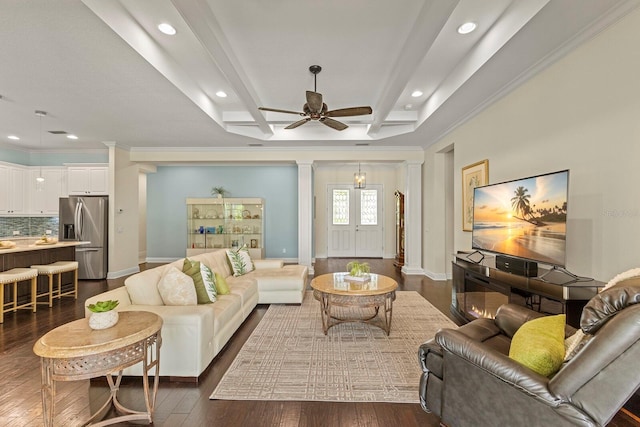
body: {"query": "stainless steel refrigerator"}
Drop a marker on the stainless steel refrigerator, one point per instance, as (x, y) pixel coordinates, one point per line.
(85, 218)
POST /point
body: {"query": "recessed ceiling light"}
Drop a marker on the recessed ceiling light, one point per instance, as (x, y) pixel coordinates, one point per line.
(15, 138)
(167, 29)
(72, 136)
(221, 94)
(416, 93)
(467, 27)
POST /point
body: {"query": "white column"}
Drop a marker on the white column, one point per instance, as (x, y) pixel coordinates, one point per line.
(413, 219)
(305, 213)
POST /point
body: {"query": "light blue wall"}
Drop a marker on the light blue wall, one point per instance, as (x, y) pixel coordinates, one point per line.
(170, 186)
(14, 156)
(52, 159)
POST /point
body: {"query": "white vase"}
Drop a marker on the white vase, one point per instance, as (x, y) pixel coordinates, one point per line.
(103, 320)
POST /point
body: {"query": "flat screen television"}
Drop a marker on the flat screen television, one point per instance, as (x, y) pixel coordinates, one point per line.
(524, 218)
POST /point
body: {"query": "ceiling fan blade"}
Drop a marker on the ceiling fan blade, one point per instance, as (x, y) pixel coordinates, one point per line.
(352, 111)
(333, 123)
(314, 101)
(298, 123)
(280, 111)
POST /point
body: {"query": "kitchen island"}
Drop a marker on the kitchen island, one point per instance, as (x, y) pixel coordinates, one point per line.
(27, 253)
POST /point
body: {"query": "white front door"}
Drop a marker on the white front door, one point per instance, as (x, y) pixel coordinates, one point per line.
(354, 221)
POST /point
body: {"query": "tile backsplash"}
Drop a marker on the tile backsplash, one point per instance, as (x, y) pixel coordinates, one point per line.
(28, 226)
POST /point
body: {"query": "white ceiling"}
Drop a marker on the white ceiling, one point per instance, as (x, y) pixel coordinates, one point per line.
(102, 70)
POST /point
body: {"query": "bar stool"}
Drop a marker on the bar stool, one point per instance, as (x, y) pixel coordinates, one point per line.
(57, 268)
(14, 276)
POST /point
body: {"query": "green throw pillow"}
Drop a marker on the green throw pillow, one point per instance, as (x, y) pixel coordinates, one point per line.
(221, 285)
(539, 344)
(192, 269)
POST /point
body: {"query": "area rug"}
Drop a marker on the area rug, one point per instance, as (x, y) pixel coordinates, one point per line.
(287, 357)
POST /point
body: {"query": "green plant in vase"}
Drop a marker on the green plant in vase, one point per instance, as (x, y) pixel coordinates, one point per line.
(102, 306)
(357, 269)
(103, 315)
(219, 191)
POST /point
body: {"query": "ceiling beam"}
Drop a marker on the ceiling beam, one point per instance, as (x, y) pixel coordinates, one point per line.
(428, 24)
(200, 18)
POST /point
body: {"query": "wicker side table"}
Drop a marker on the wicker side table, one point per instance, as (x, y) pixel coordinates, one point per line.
(74, 351)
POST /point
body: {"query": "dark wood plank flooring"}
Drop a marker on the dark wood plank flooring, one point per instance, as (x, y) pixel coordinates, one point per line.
(188, 404)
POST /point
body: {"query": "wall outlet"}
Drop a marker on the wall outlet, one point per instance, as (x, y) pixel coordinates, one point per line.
(16, 233)
(47, 232)
(284, 250)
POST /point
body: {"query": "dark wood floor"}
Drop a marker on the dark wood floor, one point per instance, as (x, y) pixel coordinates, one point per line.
(188, 404)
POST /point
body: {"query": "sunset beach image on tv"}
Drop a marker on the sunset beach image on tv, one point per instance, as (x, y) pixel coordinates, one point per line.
(524, 218)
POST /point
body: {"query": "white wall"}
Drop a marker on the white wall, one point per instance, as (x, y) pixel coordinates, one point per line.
(385, 174)
(582, 114)
(124, 214)
(142, 217)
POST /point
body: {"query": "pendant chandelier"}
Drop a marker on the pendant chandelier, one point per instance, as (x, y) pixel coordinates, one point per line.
(359, 179)
(40, 178)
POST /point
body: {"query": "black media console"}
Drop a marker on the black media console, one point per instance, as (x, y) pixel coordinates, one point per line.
(479, 288)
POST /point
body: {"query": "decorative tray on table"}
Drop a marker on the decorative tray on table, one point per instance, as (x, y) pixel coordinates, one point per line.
(363, 278)
(46, 241)
(7, 244)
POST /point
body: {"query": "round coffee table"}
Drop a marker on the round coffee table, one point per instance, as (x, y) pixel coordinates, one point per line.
(336, 289)
(74, 351)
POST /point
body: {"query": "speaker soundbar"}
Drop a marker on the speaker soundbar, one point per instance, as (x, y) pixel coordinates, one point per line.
(517, 266)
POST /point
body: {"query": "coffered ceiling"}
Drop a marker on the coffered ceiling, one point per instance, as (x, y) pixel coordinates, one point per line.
(103, 71)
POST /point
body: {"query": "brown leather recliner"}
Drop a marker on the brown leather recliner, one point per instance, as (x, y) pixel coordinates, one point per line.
(469, 380)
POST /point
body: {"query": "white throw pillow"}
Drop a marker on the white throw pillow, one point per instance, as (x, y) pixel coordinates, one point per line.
(574, 343)
(143, 287)
(176, 288)
(240, 261)
(209, 280)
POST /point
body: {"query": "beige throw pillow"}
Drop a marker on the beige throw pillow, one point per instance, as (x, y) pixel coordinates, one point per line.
(176, 288)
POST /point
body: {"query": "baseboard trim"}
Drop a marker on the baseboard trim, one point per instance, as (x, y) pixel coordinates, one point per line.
(122, 273)
(435, 276)
(154, 260)
(412, 271)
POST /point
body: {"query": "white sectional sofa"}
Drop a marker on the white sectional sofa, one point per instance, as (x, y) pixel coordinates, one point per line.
(193, 335)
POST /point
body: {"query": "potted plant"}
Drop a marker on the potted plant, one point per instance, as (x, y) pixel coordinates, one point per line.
(358, 269)
(219, 191)
(103, 315)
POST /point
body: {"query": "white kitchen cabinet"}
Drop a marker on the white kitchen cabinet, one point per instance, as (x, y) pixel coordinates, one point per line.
(13, 190)
(88, 180)
(46, 201)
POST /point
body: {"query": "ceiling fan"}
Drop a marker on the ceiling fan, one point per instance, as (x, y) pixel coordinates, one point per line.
(315, 109)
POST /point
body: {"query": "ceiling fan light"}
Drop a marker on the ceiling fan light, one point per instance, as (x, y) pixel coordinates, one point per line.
(467, 27)
(167, 29)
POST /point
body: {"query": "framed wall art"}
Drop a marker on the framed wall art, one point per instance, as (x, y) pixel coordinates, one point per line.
(475, 175)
